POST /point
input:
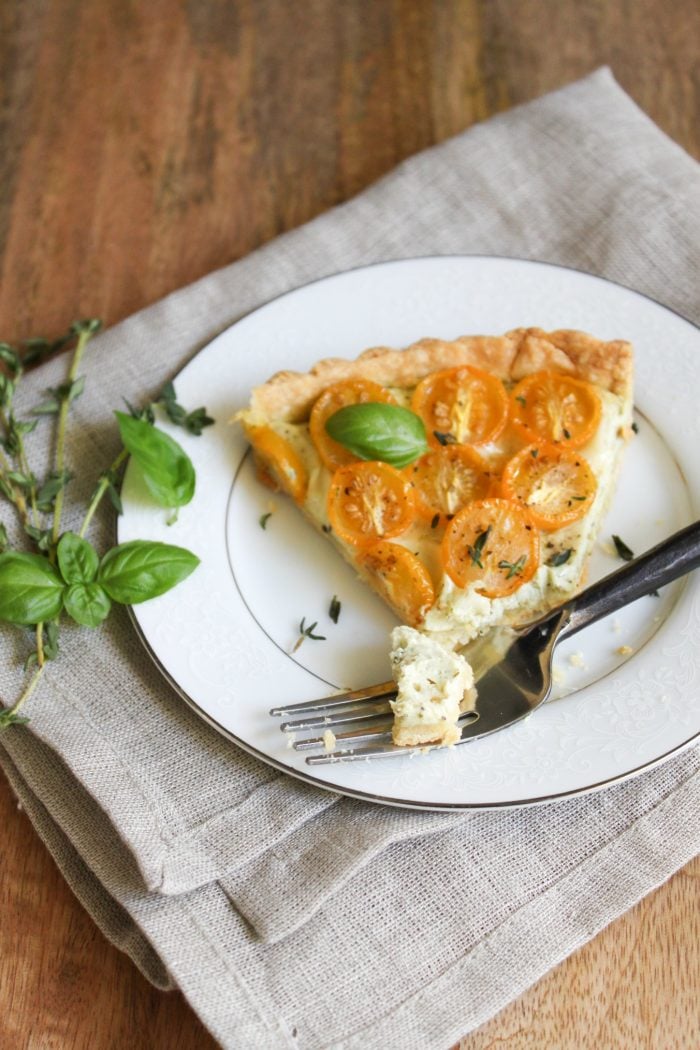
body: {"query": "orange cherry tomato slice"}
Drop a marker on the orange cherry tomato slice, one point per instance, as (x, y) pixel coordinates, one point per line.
(469, 405)
(555, 484)
(279, 464)
(491, 542)
(401, 578)
(548, 406)
(369, 501)
(347, 392)
(447, 478)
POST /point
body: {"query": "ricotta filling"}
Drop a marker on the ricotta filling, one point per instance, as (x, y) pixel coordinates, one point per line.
(434, 685)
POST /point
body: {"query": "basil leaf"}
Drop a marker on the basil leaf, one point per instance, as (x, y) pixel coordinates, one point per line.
(136, 571)
(166, 469)
(77, 559)
(31, 589)
(388, 433)
(87, 603)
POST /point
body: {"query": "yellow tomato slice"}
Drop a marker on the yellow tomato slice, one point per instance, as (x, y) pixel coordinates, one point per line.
(555, 484)
(347, 392)
(548, 406)
(465, 404)
(279, 464)
(369, 501)
(493, 543)
(447, 478)
(401, 578)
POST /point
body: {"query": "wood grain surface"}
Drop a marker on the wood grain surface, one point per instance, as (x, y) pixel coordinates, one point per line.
(144, 144)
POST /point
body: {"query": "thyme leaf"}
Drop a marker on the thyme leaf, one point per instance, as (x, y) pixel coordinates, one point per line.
(560, 558)
(622, 549)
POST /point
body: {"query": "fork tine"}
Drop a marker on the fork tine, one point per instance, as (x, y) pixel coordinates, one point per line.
(365, 712)
(353, 696)
(377, 733)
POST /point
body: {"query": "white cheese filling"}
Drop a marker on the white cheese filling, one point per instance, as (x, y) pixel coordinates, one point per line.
(431, 681)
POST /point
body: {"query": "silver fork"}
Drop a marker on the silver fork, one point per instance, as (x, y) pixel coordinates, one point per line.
(512, 666)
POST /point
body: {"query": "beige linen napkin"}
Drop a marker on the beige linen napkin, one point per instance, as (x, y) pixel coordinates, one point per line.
(278, 909)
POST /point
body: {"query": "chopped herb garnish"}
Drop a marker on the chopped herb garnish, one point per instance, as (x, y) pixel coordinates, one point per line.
(534, 452)
(326, 529)
(264, 518)
(308, 632)
(635, 427)
(444, 439)
(560, 558)
(622, 549)
(477, 549)
(580, 499)
(566, 433)
(521, 399)
(514, 568)
(334, 610)
(435, 522)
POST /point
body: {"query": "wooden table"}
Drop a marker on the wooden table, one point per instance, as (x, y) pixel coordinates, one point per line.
(145, 144)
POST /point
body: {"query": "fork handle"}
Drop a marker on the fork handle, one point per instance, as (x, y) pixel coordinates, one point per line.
(674, 557)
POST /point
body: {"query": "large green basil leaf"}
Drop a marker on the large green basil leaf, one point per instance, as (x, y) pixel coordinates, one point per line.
(77, 559)
(136, 571)
(166, 468)
(87, 603)
(31, 588)
(372, 430)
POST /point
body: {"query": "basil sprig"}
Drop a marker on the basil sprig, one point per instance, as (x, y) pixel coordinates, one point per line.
(32, 590)
(371, 430)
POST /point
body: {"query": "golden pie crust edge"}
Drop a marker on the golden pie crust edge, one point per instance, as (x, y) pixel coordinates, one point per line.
(289, 396)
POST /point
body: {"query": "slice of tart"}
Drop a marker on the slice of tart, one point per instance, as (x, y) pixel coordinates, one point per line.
(490, 521)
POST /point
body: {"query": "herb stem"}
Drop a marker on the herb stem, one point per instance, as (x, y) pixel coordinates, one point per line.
(29, 689)
(13, 492)
(40, 644)
(101, 489)
(24, 467)
(83, 339)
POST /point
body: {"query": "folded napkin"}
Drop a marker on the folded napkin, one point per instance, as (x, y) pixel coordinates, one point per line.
(288, 916)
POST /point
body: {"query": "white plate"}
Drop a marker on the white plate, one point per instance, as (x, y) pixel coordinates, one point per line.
(223, 637)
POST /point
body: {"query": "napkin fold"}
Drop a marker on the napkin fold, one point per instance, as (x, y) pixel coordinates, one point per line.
(279, 909)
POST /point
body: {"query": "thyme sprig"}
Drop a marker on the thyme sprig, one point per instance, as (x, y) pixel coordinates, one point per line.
(308, 632)
(476, 549)
(513, 568)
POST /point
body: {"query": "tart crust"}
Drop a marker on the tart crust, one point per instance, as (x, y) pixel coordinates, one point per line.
(289, 396)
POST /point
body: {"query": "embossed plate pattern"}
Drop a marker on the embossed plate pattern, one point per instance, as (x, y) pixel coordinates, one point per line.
(224, 637)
